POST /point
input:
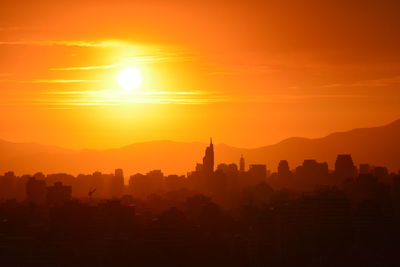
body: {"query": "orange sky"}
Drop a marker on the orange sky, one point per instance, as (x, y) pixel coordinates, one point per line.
(248, 74)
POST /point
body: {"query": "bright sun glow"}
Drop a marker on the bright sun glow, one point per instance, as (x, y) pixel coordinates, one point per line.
(129, 79)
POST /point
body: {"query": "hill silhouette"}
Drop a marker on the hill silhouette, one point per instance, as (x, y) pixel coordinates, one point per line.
(377, 146)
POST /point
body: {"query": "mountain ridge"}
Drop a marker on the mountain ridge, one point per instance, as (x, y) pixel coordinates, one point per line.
(378, 145)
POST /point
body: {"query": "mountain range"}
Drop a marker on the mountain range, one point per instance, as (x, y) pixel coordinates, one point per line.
(376, 145)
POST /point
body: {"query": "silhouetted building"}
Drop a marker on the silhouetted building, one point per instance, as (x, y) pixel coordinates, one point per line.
(97, 180)
(208, 159)
(199, 167)
(257, 173)
(242, 167)
(8, 186)
(227, 168)
(174, 182)
(143, 185)
(116, 186)
(283, 168)
(36, 191)
(344, 167)
(312, 168)
(311, 173)
(364, 169)
(380, 172)
(243, 219)
(58, 194)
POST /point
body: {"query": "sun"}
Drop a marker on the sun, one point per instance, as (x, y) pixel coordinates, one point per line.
(130, 79)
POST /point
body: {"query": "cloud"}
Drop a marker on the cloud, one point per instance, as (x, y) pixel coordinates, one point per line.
(289, 99)
(379, 82)
(77, 43)
(334, 85)
(244, 69)
(110, 98)
(62, 81)
(132, 62)
(49, 81)
(12, 28)
(118, 97)
(122, 93)
(97, 67)
(383, 82)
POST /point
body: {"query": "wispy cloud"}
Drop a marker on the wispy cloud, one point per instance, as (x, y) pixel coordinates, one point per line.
(115, 97)
(122, 93)
(334, 85)
(48, 81)
(244, 69)
(12, 28)
(379, 82)
(110, 98)
(63, 81)
(118, 97)
(132, 61)
(383, 82)
(95, 67)
(288, 98)
(77, 43)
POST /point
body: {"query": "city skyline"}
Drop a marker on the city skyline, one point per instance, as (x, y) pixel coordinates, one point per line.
(199, 133)
(58, 187)
(377, 145)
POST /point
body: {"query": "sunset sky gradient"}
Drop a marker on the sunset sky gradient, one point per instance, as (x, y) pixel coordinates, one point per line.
(248, 74)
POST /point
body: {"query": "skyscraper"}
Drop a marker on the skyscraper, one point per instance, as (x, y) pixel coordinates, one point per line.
(208, 159)
(283, 168)
(312, 169)
(36, 191)
(344, 166)
(58, 194)
(116, 187)
(364, 168)
(242, 164)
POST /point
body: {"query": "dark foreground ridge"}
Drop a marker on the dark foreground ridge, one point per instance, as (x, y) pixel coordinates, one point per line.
(230, 215)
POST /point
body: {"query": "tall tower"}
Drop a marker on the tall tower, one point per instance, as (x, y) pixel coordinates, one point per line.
(116, 185)
(208, 159)
(241, 164)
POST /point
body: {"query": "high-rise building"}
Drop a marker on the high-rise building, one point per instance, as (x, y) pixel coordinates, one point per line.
(119, 173)
(344, 167)
(208, 159)
(380, 172)
(227, 168)
(311, 169)
(58, 194)
(36, 191)
(283, 168)
(364, 169)
(242, 164)
(258, 171)
(116, 187)
(199, 167)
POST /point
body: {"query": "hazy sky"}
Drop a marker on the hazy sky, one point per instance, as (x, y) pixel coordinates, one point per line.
(248, 74)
